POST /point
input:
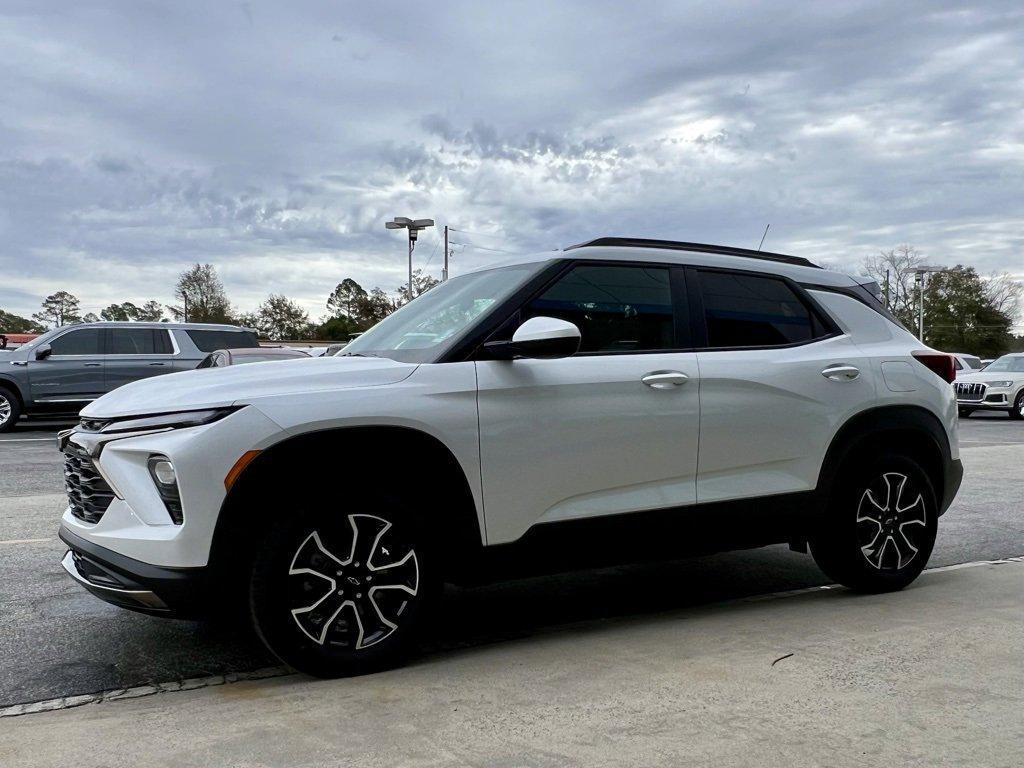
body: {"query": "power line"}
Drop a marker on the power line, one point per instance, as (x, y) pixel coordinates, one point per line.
(478, 234)
(482, 248)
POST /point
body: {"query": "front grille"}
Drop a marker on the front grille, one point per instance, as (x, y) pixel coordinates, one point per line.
(88, 493)
(965, 391)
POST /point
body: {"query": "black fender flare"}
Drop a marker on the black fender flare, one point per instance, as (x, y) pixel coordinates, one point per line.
(922, 435)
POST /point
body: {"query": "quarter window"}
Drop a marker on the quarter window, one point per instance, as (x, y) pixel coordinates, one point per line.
(83, 342)
(754, 311)
(209, 341)
(617, 308)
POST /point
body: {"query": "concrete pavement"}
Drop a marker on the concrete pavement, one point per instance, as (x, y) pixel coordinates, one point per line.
(933, 675)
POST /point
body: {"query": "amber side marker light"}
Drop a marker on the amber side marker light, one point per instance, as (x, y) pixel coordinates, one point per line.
(243, 461)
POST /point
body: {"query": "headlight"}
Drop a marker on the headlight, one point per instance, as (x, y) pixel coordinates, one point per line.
(999, 383)
(158, 421)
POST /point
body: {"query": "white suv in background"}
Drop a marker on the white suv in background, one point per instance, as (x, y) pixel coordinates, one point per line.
(1000, 387)
(617, 401)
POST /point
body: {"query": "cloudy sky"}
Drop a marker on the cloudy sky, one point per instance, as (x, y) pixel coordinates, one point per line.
(273, 139)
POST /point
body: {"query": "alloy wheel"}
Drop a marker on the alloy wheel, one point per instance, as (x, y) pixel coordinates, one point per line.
(355, 599)
(5, 409)
(891, 521)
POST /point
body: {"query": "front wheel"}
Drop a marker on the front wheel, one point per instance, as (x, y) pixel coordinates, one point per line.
(1017, 411)
(880, 529)
(10, 410)
(343, 592)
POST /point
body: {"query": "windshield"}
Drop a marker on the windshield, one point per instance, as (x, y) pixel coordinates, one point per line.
(424, 329)
(1007, 364)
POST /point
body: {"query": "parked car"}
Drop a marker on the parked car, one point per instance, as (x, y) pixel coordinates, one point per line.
(617, 401)
(999, 387)
(964, 363)
(62, 370)
(224, 357)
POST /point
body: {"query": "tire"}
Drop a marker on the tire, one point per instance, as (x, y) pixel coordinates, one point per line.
(10, 409)
(344, 591)
(880, 527)
(964, 413)
(1017, 411)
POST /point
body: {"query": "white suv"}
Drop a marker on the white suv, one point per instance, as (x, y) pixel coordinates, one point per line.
(617, 401)
(999, 387)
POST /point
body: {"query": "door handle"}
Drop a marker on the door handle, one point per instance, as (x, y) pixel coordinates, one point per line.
(841, 372)
(664, 379)
(93, 365)
(160, 364)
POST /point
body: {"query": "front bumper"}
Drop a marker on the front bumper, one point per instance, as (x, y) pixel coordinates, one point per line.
(128, 583)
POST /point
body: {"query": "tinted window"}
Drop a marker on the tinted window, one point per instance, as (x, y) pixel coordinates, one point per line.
(83, 342)
(617, 309)
(754, 311)
(208, 341)
(138, 341)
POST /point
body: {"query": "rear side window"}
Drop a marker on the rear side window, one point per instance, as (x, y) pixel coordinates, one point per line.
(138, 341)
(83, 342)
(208, 341)
(742, 310)
(617, 309)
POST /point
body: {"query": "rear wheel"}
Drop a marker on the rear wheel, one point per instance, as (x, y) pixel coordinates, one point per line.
(881, 525)
(10, 410)
(343, 592)
(1017, 411)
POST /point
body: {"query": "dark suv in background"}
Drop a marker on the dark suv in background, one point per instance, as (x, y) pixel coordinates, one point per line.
(62, 370)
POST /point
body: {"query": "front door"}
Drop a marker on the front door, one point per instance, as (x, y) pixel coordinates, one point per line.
(72, 373)
(612, 429)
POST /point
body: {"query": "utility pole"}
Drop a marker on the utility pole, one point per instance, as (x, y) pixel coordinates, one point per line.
(444, 274)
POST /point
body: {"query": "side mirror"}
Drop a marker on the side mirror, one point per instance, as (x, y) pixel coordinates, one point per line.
(44, 352)
(538, 337)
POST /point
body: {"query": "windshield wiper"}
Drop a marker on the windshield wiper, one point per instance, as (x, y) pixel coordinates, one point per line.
(357, 354)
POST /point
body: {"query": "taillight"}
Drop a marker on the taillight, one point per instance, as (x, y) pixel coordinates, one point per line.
(939, 364)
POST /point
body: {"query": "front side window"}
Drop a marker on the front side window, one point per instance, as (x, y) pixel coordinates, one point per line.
(83, 342)
(617, 308)
(742, 310)
(138, 341)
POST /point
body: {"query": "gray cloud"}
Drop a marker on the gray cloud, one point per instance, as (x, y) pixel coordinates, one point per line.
(273, 141)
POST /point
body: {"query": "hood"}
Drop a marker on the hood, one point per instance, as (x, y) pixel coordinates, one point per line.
(980, 377)
(217, 387)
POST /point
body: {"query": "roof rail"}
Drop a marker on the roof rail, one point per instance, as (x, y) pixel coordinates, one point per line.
(676, 245)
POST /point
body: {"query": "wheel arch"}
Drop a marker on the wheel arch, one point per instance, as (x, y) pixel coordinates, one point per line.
(414, 460)
(916, 431)
(12, 386)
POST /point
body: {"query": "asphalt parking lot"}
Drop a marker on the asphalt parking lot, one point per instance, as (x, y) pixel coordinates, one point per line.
(58, 641)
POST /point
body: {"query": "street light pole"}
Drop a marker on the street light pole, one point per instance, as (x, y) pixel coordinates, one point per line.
(922, 279)
(414, 227)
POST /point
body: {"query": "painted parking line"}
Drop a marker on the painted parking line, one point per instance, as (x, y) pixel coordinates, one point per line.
(24, 541)
(30, 440)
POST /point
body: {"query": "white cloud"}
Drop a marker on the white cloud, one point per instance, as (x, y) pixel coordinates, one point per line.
(274, 141)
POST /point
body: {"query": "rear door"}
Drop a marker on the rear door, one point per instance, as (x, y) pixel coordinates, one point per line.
(612, 429)
(73, 373)
(136, 353)
(777, 380)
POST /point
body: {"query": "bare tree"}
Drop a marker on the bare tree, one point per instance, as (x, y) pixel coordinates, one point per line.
(894, 271)
(1005, 293)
